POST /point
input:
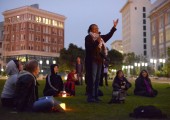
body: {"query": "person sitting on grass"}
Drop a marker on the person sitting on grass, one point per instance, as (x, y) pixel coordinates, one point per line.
(143, 86)
(54, 82)
(12, 69)
(120, 86)
(70, 84)
(26, 93)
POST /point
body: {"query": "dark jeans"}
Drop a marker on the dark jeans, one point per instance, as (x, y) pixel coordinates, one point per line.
(96, 72)
(7, 102)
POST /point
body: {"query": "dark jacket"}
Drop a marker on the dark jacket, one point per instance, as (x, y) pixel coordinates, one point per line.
(92, 53)
(117, 83)
(53, 82)
(81, 71)
(26, 92)
(140, 85)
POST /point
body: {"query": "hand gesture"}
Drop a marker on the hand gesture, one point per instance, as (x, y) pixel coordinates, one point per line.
(115, 22)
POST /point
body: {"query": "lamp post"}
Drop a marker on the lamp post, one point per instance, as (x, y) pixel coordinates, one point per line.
(154, 61)
(41, 65)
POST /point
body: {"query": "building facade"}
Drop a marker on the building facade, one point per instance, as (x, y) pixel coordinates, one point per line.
(117, 45)
(160, 28)
(1, 45)
(33, 33)
(136, 27)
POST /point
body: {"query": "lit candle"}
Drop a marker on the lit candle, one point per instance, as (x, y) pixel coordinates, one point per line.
(63, 105)
(64, 94)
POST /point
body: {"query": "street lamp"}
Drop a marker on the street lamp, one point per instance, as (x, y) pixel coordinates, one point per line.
(47, 62)
(154, 61)
(54, 62)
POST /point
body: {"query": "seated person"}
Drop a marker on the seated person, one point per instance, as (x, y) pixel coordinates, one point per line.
(120, 86)
(12, 69)
(26, 91)
(70, 84)
(143, 86)
(54, 83)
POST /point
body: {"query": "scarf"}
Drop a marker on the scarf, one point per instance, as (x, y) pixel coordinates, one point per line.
(95, 36)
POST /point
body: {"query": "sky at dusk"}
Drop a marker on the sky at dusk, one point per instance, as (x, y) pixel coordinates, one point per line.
(80, 14)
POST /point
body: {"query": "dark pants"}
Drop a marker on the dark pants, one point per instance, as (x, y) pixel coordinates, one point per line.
(7, 102)
(147, 94)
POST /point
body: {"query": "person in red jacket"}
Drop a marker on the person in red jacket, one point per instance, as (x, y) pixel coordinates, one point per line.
(70, 84)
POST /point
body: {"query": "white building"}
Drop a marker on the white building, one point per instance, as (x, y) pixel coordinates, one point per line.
(117, 45)
(136, 27)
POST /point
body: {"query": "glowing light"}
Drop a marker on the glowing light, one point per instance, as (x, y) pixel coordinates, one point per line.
(63, 105)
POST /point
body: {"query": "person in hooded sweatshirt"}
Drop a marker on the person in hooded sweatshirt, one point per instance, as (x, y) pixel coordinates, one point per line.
(54, 83)
(12, 69)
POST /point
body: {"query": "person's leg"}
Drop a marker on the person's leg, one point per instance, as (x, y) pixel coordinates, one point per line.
(105, 76)
(98, 74)
(94, 78)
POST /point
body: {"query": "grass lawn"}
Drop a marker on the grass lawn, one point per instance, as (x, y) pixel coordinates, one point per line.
(79, 109)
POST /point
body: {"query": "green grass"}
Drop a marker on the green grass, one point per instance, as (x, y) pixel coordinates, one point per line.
(79, 109)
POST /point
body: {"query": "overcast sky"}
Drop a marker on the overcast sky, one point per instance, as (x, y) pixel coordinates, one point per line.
(80, 14)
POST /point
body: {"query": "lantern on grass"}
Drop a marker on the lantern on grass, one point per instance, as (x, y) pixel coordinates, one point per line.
(64, 94)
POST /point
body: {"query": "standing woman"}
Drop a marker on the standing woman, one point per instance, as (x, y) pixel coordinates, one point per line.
(54, 83)
(96, 51)
(12, 69)
(143, 86)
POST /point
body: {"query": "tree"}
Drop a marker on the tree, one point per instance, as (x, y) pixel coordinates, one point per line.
(168, 62)
(116, 59)
(68, 57)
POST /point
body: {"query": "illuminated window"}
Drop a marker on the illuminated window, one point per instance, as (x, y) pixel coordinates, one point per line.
(46, 21)
(49, 22)
(168, 35)
(153, 41)
(161, 37)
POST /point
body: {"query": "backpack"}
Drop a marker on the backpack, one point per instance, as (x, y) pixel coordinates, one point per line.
(147, 112)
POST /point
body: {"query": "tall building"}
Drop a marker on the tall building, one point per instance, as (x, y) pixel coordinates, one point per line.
(117, 45)
(160, 28)
(1, 45)
(136, 27)
(33, 33)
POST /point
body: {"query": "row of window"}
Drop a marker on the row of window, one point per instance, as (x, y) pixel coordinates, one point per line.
(162, 21)
(35, 18)
(161, 37)
(32, 47)
(33, 27)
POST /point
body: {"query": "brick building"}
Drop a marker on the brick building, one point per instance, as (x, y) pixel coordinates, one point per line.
(33, 33)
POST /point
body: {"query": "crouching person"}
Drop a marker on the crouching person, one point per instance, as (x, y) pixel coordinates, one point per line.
(120, 86)
(26, 93)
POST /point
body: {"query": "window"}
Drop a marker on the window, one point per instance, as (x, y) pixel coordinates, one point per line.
(144, 9)
(169, 17)
(161, 22)
(144, 46)
(153, 40)
(144, 34)
(144, 21)
(144, 40)
(144, 27)
(168, 35)
(144, 15)
(145, 53)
